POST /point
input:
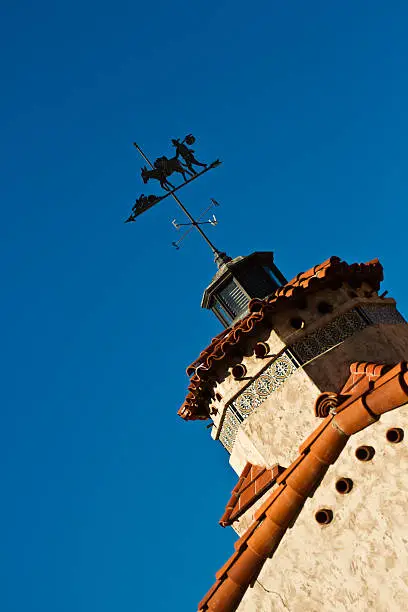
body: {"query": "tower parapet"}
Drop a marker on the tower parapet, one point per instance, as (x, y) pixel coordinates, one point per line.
(319, 347)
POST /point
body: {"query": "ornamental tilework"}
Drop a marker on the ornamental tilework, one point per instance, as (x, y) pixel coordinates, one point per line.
(386, 314)
(229, 430)
(300, 353)
(273, 377)
(329, 336)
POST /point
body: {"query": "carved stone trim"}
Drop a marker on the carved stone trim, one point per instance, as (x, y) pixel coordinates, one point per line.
(325, 338)
(229, 429)
(382, 313)
(297, 355)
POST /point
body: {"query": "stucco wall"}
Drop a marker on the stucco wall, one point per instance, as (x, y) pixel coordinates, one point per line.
(360, 560)
(376, 343)
(227, 387)
(328, 371)
(275, 430)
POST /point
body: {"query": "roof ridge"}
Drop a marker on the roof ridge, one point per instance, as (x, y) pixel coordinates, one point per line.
(296, 483)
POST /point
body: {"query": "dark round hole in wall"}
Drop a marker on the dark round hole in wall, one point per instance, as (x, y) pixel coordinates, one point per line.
(365, 453)
(324, 307)
(297, 323)
(344, 485)
(324, 516)
(395, 435)
(218, 397)
(261, 349)
(239, 371)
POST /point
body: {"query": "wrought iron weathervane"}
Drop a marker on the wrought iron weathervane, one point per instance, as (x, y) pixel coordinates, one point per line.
(183, 163)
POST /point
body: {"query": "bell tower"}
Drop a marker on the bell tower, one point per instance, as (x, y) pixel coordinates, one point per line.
(306, 388)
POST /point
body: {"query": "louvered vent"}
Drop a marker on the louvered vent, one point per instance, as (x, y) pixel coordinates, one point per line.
(234, 299)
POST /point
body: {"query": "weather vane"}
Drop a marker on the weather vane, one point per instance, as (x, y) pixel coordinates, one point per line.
(182, 163)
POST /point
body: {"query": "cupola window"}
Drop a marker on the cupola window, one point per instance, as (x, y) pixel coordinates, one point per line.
(222, 313)
(237, 282)
(231, 302)
(273, 276)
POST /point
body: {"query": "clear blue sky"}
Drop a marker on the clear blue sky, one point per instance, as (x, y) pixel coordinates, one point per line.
(110, 502)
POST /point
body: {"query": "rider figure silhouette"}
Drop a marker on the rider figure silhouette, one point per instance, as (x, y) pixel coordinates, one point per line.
(187, 154)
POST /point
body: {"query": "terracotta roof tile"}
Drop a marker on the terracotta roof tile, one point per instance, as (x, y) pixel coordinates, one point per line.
(362, 373)
(266, 537)
(350, 421)
(280, 510)
(223, 571)
(252, 484)
(282, 477)
(332, 272)
(261, 512)
(326, 449)
(304, 448)
(288, 504)
(241, 542)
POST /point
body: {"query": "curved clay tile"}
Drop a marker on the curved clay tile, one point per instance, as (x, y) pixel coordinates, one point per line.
(326, 403)
(296, 483)
(251, 486)
(227, 342)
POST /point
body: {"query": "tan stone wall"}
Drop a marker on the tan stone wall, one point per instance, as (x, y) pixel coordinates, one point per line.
(327, 372)
(228, 387)
(339, 299)
(360, 560)
(278, 426)
(376, 343)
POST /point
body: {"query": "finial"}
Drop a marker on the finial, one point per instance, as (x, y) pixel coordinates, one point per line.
(221, 259)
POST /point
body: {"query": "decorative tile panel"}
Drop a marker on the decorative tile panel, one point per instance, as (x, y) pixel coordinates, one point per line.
(329, 336)
(386, 314)
(270, 379)
(297, 355)
(229, 430)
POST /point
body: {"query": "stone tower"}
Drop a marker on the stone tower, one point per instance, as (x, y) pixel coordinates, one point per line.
(307, 388)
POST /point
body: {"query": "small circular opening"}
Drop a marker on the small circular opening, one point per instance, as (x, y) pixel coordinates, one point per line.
(324, 307)
(261, 349)
(394, 435)
(324, 516)
(344, 485)
(239, 371)
(297, 323)
(218, 397)
(365, 453)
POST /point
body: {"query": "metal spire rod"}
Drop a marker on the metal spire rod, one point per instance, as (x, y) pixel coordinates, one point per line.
(183, 208)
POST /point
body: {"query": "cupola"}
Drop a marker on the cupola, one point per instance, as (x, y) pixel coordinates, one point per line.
(238, 281)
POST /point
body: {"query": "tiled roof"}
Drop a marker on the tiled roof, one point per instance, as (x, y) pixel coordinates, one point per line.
(368, 400)
(252, 484)
(331, 273)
